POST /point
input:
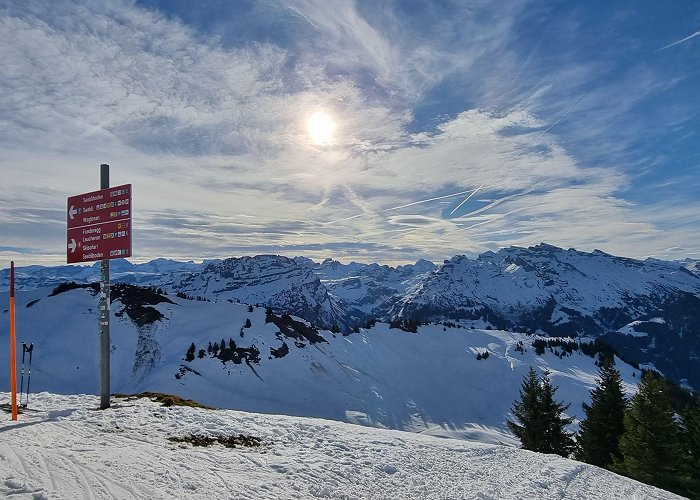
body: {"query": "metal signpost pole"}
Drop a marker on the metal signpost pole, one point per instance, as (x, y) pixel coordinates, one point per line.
(104, 313)
(98, 229)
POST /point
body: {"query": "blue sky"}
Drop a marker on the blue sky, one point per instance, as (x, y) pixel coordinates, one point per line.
(460, 127)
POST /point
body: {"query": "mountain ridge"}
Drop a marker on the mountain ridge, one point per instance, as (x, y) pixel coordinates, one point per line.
(540, 289)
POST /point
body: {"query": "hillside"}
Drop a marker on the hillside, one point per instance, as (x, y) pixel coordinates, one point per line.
(429, 381)
(131, 451)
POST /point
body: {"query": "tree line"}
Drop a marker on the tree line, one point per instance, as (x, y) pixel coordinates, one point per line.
(642, 438)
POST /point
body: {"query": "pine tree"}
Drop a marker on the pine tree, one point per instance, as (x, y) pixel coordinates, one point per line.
(691, 433)
(541, 426)
(189, 356)
(651, 446)
(527, 410)
(248, 324)
(556, 438)
(598, 440)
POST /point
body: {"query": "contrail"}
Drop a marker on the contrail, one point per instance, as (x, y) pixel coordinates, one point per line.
(401, 206)
(497, 202)
(489, 206)
(558, 120)
(697, 33)
(466, 199)
(495, 218)
(344, 219)
(430, 199)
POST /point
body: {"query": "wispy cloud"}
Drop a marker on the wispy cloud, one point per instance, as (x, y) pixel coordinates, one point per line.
(514, 148)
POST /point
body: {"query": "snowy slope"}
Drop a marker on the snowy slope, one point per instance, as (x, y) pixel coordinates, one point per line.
(68, 450)
(428, 382)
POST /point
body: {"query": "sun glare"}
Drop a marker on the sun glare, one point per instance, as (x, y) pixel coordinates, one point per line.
(320, 127)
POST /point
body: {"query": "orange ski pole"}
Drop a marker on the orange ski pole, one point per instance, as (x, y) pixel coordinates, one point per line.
(13, 348)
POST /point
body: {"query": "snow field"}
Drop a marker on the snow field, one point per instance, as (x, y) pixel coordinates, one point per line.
(429, 382)
(71, 450)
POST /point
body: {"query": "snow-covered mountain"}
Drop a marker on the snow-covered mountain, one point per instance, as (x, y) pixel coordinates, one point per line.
(158, 271)
(196, 331)
(447, 380)
(692, 265)
(287, 285)
(569, 293)
(541, 289)
(545, 287)
(131, 451)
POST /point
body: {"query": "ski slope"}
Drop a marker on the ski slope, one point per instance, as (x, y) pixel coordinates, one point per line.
(70, 450)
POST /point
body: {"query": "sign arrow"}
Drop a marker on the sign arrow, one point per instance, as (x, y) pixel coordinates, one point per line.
(72, 212)
(72, 245)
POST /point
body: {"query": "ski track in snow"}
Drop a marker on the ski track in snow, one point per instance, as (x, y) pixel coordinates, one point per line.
(70, 450)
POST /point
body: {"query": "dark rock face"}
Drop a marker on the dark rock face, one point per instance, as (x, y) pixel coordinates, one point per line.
(137, 301)
(293, 329)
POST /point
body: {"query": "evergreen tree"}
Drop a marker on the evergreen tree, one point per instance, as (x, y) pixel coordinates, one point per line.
(651, 446)
(527, 410)
(189, 356)
(541, 426)
(248, 324)
(598, 440)
(556, 438)
(691, 433)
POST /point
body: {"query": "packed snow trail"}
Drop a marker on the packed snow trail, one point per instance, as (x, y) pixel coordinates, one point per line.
(71, 450)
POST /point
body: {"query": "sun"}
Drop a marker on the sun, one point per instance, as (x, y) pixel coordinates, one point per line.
(320, 127)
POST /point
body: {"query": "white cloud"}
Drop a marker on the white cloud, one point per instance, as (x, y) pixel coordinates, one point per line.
(213, 137)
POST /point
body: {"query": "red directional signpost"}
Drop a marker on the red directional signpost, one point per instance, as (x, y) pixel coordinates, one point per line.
(99, 228)
(99, 225)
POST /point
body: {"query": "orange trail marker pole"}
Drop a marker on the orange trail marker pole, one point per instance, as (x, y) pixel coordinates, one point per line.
(13, 348)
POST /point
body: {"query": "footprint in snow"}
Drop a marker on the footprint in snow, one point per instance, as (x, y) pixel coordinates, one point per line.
(390, 469)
